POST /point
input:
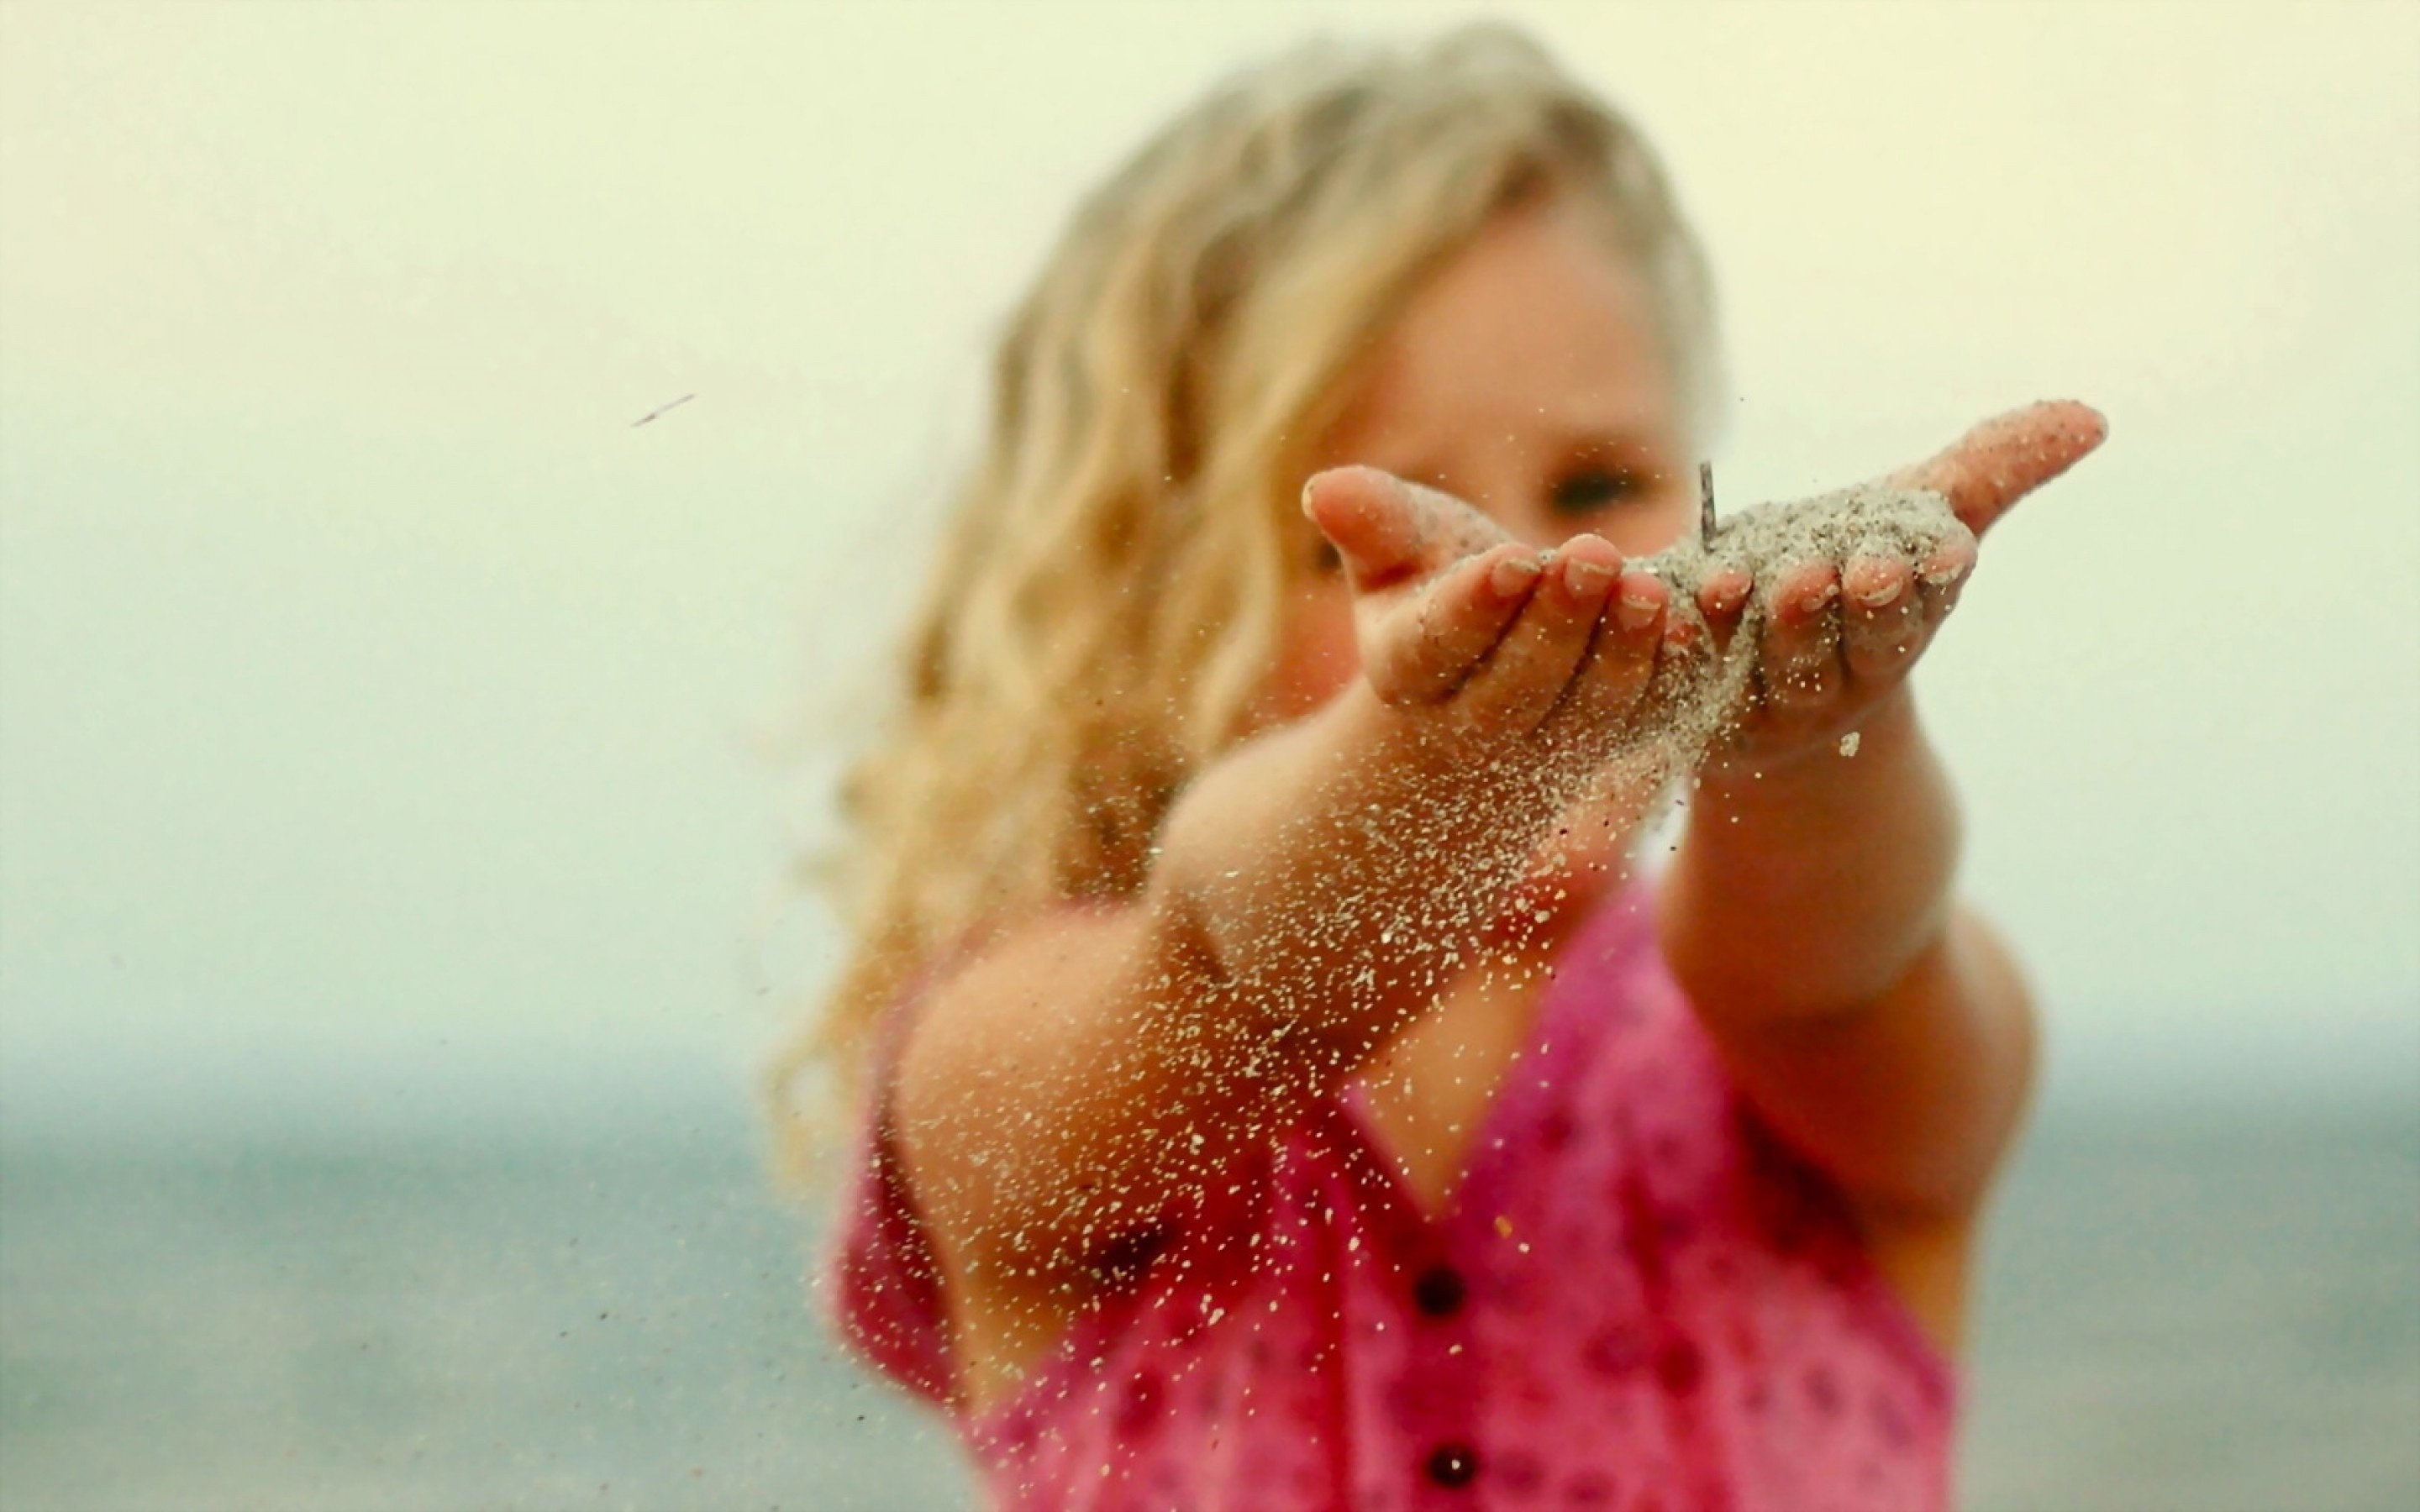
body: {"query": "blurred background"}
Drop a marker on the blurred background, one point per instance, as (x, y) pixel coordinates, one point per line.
(400, 747)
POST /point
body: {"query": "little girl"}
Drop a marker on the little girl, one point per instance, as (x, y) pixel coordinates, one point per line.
(1277, 1090)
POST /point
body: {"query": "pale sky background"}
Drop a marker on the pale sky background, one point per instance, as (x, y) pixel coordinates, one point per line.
(377, 703)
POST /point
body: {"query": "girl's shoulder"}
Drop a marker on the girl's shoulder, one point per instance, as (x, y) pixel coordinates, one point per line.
(881, 1276)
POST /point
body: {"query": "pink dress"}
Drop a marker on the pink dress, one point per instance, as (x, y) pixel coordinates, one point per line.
(1638, 1300)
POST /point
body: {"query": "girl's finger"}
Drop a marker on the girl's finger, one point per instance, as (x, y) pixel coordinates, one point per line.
(1429, 649)
(1882, 618)
(1941, 575)
(1388, 530)
(1620, 659)
(1800, 658)
(1722, 597)
(1526, 674)
(2007, 458)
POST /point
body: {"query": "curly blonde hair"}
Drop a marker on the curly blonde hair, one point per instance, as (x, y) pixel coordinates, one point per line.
(1107, 599)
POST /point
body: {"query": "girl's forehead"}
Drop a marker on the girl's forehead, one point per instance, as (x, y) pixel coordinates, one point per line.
(1539, 324)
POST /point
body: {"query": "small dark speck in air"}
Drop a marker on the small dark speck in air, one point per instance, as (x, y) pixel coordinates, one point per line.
(661, 408)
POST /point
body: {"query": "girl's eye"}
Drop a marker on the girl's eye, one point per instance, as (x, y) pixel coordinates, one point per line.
(1594, 489)
(1326, 559)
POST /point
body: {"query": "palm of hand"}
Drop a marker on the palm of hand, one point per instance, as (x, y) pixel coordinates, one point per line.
(1484, 640)
(1839, 637)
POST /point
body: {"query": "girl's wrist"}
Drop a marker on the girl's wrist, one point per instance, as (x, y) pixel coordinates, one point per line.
(1884, 736)
(1840, 867)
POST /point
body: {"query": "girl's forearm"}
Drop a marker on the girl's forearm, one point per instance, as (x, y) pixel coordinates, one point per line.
(1813, 887)
(1308, 866)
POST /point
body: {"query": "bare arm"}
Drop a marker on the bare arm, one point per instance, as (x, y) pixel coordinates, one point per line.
(1878, 1025)
(1074, 1087)
(1060, 1092)
(1810, 915)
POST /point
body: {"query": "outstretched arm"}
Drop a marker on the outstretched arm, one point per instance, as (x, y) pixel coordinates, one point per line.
(1073, 1086)
(1809, 915)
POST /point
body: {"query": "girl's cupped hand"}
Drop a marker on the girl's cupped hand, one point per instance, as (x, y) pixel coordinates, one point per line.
(1841, 637)
(1490, 644)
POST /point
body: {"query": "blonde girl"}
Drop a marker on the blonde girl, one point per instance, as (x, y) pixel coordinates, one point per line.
(1275, 1086)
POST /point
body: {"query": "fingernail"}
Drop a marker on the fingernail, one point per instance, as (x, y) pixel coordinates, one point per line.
(1636, 610)
(1512, 574)
(1582, 575)
(1942, 574)
(1880, 594)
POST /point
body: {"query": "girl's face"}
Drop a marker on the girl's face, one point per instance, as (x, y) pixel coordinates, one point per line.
(1526, 378)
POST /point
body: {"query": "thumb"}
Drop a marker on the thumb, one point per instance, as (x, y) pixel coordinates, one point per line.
(1388, 530)
(2007, 458)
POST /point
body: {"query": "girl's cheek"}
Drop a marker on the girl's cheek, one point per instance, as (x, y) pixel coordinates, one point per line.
(1650, 531)
(1318, 658)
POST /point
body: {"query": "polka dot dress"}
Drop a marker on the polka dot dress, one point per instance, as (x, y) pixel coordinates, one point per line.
(1637, 1299)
